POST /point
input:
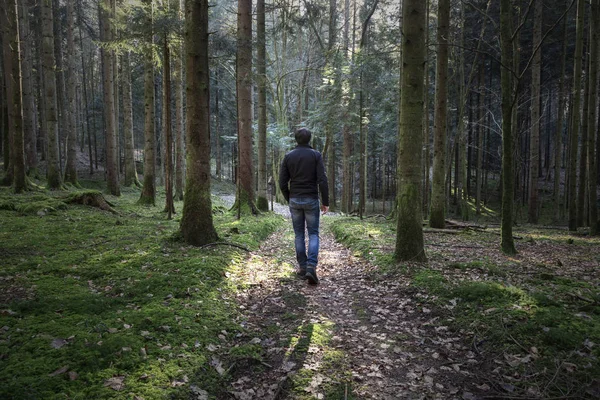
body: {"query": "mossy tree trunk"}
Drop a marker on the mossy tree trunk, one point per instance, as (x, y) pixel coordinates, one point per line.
(409, 238)
(12, 69)
(508, 177)
(178, 88)
(29, 119)
(438, 194)
(196, 223)
(593, 115)
(559, 126)
(71, 108)
(131, 176)
(534, 144)
(244, 106)
(112, 175)
(50, 98)
(169, 207)
(148, 195)
(574, 129)
(262, 201)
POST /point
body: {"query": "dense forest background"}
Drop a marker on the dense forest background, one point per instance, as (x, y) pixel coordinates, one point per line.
(99, 89)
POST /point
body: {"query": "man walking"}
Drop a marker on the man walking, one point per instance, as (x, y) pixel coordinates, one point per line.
(301, 177)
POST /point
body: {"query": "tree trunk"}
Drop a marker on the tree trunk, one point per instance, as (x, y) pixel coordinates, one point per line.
(559, 126)
(480, 135)
(426, 134)
(148, 195)
(438, 194)
(507, 243)
(61, 100)
(409, 238)
(14, 96)
(534, 146)
(593, 115)
(131, 176)
(582, 187)
(261, 201)
(71, 108)
(178, 88)
(29, 122)
(245, 193)
(169, 207)
(196, 222)
(574, 130)
(50, 101)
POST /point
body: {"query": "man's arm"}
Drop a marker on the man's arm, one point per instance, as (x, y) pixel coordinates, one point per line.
(284, 179)
(322, 181)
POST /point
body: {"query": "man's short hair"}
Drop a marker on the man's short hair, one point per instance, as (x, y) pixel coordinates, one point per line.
(302, 136)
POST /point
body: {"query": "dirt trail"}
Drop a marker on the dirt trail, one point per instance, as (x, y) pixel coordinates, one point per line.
(356, 335)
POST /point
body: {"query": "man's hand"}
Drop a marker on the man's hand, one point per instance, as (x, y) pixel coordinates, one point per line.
(324, 209)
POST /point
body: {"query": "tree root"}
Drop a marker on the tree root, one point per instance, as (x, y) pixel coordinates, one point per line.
(92, 199)
(225, 244)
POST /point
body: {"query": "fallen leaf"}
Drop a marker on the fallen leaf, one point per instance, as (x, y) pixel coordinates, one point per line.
(115, 383)
(199, 393)
(58, 343)
(216, 364)
(59, 371)
(73, 375)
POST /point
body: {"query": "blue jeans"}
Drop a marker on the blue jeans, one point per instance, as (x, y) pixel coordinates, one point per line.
(305, 214)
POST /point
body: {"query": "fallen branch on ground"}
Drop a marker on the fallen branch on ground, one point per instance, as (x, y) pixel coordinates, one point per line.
(239, 246)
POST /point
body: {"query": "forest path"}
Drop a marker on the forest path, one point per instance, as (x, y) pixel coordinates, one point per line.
(356, 335)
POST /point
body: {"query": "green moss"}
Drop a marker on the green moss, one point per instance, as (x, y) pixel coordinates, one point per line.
(111, 286)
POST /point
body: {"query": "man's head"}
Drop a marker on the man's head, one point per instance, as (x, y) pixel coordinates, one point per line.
(302, 136)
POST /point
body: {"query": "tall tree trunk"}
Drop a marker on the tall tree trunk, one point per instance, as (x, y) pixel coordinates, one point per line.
(7, 84)
(261, 200)
(148, 195)
(169, 207)
(574, 130)
(49, 66)
(426, 133)
(29, 121)
(582, 187)
(71, 107)
(534, 146)
(196, 222)
(12, 69)
(178, 88)
(593, 115)
(507, 243)
(409, 238)
(559, 126)
(347, 192)
(480, 135)
(112, 175)
(438, 194)
(245, 193)
(61, 99)
(131, 176)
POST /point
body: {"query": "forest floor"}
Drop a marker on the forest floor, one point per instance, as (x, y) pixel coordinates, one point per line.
(102, 305)
(472, 323)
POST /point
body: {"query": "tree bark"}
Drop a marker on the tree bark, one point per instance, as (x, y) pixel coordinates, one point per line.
(559, 126)
(196, 222)
(50, 101)
(169, 207)
(131, 176)
(71, 108)
(480, 135)
(574, 130)
(148, 195)
(245, 193)
(409, 238)
(178, 88)
(534, 146)
(61, 99)
(29, 118)
(438, 195)
(593, 116)
(262, 202)
(582, 187)
(507, 242)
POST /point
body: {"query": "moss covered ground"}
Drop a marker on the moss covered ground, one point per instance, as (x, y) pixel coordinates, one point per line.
(101, 305)
(533, 318)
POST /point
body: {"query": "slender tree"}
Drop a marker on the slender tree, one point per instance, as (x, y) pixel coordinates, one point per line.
(29, 115)
(261, 201)
(178, 89)
(574, 130)
(534, 144)
(169, 207)
(409, 238)
(148, 195)
(245, 192)
(507, 243)
(559, 125)
(50, 100)
(593, 115)
(131, 176)
(438, 195)
(196, 222)
(71, 107)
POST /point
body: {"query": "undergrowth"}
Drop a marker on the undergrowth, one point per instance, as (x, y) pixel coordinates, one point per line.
(533, 319)
(98, 305)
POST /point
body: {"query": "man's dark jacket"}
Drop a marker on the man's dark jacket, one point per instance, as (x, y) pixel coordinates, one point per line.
(303, 169)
